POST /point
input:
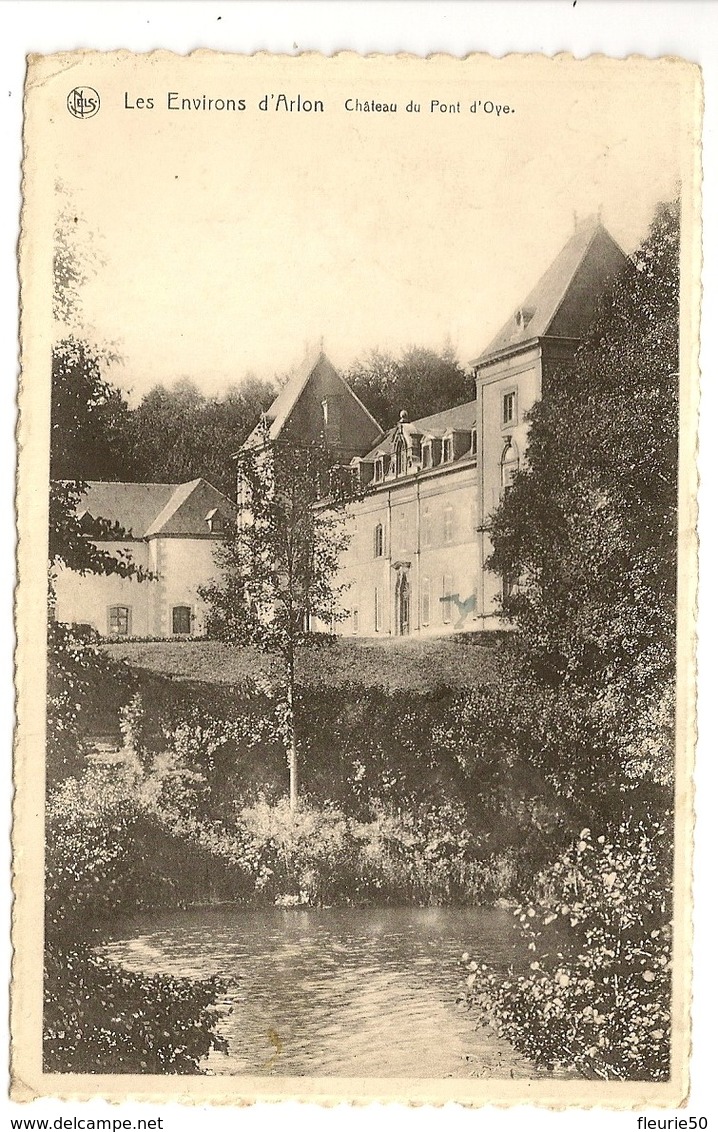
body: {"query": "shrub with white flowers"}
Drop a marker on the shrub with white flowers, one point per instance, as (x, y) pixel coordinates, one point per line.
(594, 993)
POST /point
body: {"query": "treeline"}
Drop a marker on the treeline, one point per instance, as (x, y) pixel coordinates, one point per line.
(176, 434)
(172, 436)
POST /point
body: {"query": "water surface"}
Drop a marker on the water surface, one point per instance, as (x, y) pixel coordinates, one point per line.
(338, 992)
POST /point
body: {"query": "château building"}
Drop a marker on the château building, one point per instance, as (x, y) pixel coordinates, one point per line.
(419, 541)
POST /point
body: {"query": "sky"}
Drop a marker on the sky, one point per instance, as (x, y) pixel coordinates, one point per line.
(232, 242)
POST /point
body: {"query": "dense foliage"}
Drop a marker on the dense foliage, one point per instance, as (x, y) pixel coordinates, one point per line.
(587, 534)
(594, 992)
(102, 1019)
(589, 529)
(177, 434)
(107, 853)
(420, 381)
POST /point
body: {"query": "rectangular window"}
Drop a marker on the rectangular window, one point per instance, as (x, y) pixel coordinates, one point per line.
(425, 601)
(509, 403)
(379, 470)
(448, 523)
(448, 598)
(119, 621)
(426, 525)
(378, 609)
(447, 449)
(426, 460)
(401, 530)
(379, 540)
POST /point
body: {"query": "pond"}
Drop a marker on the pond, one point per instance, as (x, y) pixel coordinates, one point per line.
(338, 992)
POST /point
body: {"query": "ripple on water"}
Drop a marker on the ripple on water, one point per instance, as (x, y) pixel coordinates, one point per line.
(338, 992)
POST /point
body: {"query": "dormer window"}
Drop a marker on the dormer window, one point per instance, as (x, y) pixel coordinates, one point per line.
(214, 521)
(400, 454)
(509, 408)
(523, 317)
(379, 469)
(426, 454)
(447, 449)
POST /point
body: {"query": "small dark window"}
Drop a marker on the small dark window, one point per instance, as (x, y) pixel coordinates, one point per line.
(447, 449)
(379, 469)
(426, 454)
(181, 620)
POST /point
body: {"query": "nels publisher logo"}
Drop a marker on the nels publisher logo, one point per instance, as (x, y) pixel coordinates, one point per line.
(83, 102)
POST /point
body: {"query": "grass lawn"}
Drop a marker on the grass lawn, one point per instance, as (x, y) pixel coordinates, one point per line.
(394, 665)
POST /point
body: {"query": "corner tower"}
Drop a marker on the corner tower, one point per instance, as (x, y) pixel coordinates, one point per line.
(541, 334)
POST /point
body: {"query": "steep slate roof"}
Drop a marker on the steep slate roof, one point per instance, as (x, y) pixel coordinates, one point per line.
(147, 509)
(563, 300)
(281, 408)
(462, 418)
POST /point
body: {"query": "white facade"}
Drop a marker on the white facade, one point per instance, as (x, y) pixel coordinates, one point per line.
(175, 529)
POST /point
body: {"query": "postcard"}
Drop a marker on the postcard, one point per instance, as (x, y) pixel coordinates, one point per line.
(357, 560)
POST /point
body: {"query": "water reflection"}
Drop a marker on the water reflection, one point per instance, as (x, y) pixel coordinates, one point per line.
(337, 992)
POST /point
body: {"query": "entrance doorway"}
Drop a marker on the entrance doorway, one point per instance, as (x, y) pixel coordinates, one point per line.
(402, 605)
(181, 620)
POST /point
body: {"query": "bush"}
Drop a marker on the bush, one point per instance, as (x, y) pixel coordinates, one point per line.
(76, 671)
(110, 852)
(594, 996)
(117, 842)
(101, 1019)
(321, 855)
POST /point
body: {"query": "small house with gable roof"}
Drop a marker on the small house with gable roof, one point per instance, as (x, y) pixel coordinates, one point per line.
(169, 531)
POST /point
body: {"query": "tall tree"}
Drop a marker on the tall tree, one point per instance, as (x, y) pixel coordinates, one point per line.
(178, 434)
(421, 381)
(88, 414)
(589, 528)
(279, 569)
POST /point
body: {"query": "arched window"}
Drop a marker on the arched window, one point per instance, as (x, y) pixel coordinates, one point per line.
(509, 465)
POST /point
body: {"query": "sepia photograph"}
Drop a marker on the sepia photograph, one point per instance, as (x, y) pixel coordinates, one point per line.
(357, 575)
